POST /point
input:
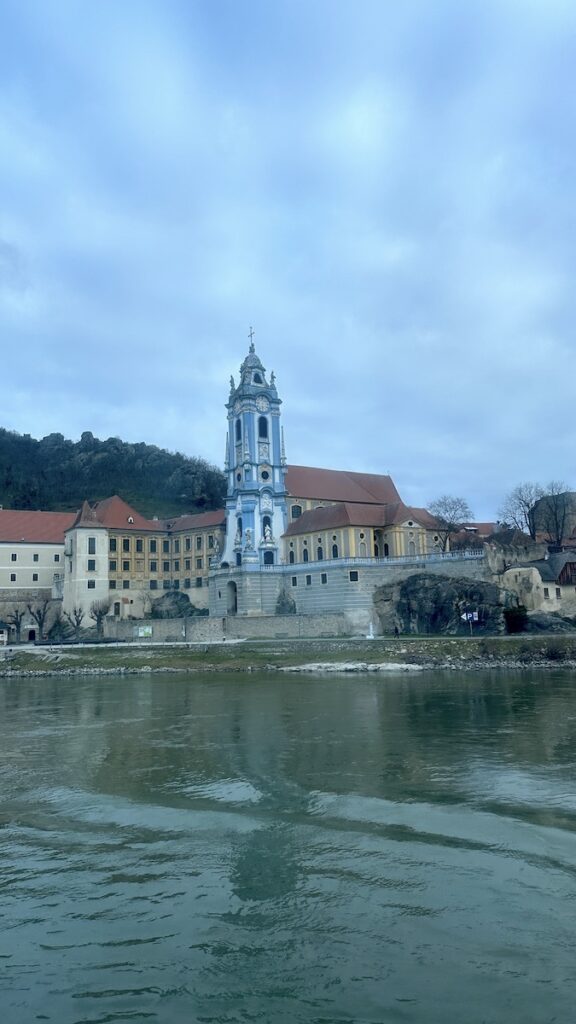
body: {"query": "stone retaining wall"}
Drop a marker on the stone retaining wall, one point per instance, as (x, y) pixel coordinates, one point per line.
(202, 629)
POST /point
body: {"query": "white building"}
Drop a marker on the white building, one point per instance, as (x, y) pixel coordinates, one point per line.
(32, 553)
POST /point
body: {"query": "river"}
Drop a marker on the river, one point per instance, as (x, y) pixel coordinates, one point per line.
(292, 850)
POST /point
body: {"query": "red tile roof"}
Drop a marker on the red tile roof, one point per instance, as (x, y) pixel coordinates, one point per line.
(339, 485)
(115, 514)
(350, 514)
(198, 521)
(480, 529)
(21, 525)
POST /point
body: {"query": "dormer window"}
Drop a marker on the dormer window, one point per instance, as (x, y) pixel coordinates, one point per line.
(130, 519)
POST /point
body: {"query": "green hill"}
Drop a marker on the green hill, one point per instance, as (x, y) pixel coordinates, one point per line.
(58, 475)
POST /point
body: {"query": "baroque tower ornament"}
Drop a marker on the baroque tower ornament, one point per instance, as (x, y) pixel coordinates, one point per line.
(256, 511)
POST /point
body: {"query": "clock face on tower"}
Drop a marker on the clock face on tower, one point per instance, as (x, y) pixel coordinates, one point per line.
(262, 403)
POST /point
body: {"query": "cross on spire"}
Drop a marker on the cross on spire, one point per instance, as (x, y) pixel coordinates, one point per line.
(251, 335)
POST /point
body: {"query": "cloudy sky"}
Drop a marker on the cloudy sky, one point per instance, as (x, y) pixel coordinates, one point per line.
(385, 191)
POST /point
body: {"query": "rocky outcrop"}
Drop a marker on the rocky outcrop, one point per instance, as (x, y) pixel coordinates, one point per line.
(174, 605)
(549, 622)
(429, 603)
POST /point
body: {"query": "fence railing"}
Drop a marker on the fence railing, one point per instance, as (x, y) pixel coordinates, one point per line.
(466, 555)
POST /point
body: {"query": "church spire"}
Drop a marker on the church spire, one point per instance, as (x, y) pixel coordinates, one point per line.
(256, 466)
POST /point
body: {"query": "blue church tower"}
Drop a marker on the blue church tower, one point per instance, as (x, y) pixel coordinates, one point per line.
(256, 468)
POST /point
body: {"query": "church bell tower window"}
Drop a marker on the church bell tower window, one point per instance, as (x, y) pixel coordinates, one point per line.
(238, 430)
(262, 428)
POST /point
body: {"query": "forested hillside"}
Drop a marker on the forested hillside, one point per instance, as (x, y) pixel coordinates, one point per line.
(57, 475)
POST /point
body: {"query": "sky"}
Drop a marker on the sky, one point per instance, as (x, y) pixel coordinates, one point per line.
(385, 192)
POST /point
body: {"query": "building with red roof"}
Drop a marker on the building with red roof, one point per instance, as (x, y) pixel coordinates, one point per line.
(283, 519)
(31, 556)
(326, 537)
(115, 555)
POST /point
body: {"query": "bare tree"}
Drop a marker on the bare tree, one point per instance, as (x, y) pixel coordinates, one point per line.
(75, 618)
(98, 612)
(517, 507)
(550, 514)
(450, 513)
(39, 613)
(14, 618)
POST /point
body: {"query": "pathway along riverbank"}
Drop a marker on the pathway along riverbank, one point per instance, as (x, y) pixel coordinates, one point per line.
(383, 654)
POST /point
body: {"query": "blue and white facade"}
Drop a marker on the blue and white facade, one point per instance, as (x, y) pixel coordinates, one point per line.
(301, 540)
(256, 468)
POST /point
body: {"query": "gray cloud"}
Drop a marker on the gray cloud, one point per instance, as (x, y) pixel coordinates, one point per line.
(386, 194)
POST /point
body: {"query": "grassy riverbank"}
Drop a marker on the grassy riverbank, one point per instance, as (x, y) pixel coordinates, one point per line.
(251, 656)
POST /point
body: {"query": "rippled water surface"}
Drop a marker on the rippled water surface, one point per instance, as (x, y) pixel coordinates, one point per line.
(288, 850)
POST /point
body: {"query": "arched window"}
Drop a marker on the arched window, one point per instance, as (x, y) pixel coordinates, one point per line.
(268, 558)
(238, 430)
(263, 428)
(386, 551)
(291, 557)
(257, 378)
(320, 554)
(334, 551)
(296, 511)
(305, 555)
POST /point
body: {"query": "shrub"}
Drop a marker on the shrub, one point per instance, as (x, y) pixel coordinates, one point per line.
(285, 605)
(554, 653)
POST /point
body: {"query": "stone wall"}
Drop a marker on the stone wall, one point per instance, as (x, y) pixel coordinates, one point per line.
(202, 629)
(287, 626)
(333, 588)
(501, 557)
(197, 629)
(22, 597)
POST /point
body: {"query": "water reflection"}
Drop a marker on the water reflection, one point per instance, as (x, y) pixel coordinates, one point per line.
(288, 849)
